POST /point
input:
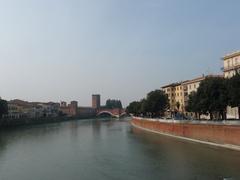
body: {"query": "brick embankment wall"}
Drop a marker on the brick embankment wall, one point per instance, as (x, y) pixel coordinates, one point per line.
(219, 134)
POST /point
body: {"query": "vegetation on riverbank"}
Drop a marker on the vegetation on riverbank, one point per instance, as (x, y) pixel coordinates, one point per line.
(155, 104)
(212, 98)
(214, 95)
(3, 108)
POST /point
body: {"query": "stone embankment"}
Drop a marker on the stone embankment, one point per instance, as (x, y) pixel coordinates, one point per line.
(218, 134)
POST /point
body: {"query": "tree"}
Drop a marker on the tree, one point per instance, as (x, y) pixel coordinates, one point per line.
(3, 108)
(193, 104)
(234, 92)
(212, 96)
(112, 103)
(134, 108)
(156, 102)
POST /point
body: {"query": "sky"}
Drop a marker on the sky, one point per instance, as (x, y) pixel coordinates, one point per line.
(53, 50)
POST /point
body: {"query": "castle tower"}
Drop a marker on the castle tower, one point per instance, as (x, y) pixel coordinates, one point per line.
(96, 101)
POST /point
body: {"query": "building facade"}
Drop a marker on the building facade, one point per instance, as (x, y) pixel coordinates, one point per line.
(72, 110)
(178, 93)
(23, 109)
(170, 92)
(231, 65)
(176, 96)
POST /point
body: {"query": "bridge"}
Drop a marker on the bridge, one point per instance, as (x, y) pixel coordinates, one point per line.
(117, 112)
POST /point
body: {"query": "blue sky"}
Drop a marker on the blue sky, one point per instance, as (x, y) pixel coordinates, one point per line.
(68, 49)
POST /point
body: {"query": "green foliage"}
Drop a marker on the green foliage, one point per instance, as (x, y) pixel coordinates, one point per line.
(192, 105)
(134, 108)
(155, 104)
(211, 97)
(234, 91)
(112, 104)
(3, 107)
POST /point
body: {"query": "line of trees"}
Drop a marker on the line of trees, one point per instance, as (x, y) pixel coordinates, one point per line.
(212, 98)
(113, 103)
(214, 95)
(3, 108)
(154, 105)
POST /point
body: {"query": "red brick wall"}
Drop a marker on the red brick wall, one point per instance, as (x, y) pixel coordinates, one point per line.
(221, 134)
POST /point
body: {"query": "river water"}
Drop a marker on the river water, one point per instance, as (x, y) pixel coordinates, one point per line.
(105, 149)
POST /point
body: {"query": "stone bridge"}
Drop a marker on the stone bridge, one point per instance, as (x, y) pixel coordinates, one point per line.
(117, 112)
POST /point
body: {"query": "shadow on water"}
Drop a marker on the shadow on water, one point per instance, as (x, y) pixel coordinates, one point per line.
(188, 160)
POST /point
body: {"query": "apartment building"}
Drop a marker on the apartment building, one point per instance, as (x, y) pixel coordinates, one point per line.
(178, 93)
(174, 92)
(231, 65)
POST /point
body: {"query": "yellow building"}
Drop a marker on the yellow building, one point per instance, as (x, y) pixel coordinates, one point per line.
(231, 65)
(175, 92)
(178, 93)
(179, 98)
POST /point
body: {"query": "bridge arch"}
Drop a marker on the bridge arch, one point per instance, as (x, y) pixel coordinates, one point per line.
(123, 114)
(106, 112)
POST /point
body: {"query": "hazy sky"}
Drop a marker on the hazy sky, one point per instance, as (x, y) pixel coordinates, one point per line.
(68, 49)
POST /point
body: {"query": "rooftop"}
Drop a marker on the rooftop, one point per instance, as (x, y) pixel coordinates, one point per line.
(171, 85)
(231, 55)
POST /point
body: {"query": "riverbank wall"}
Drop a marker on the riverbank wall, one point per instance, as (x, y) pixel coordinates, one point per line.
(214, 134)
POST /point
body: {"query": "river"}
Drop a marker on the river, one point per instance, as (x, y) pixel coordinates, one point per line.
(108, 149)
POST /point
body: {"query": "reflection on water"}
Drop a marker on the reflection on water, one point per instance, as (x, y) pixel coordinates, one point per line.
(107, 149)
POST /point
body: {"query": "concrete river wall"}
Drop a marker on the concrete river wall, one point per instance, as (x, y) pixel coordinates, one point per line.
(222, 135)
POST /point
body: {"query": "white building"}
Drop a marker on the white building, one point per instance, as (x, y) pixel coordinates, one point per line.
(231, 65)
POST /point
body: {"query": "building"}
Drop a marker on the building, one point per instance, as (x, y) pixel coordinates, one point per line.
(96, 101)
(72, 110)
(170, 90)
(63, 104)
(193, 85)
(23, 109)
(231, 65)
(176, 96)
(178, 93)
(180, 98)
